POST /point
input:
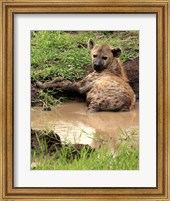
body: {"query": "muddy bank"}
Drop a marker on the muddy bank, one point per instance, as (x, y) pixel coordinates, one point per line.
(49, 142)
(132, 71)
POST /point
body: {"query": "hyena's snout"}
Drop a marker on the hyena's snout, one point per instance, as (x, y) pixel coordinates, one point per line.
(98, 65)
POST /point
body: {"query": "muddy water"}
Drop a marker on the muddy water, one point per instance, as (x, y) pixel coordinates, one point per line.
(74, 124)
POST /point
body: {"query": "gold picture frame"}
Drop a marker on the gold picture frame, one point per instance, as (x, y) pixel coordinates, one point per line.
(8, 9)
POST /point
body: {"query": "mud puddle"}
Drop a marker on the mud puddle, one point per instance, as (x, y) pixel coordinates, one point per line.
(75, 125)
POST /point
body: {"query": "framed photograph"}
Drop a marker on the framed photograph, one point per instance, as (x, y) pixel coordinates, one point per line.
(84, 100)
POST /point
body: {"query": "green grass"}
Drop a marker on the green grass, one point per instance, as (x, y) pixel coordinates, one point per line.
(59, 53)
(125, 157)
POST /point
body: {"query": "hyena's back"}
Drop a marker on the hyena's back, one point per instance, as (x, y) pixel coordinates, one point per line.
(110, 93)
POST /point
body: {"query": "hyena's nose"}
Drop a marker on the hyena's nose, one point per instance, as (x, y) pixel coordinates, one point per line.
(96, 66)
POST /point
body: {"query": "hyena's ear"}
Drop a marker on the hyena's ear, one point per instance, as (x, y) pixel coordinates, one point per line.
(116, 52)
(91, 44)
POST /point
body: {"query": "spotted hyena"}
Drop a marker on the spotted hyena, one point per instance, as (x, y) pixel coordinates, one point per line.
(107, 87)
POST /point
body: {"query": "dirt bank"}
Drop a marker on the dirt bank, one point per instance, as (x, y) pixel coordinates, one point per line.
(50, 143)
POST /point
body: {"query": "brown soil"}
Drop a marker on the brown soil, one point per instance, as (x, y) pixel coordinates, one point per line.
(50, 143)
(132, 71)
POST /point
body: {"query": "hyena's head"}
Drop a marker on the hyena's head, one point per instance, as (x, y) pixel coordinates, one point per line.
(102, 55)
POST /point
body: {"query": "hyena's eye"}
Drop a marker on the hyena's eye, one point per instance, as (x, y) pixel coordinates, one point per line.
(104, 58)
(94, 55)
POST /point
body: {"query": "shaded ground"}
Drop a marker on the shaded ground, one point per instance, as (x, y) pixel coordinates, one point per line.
(50, 143)
(132, 71)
